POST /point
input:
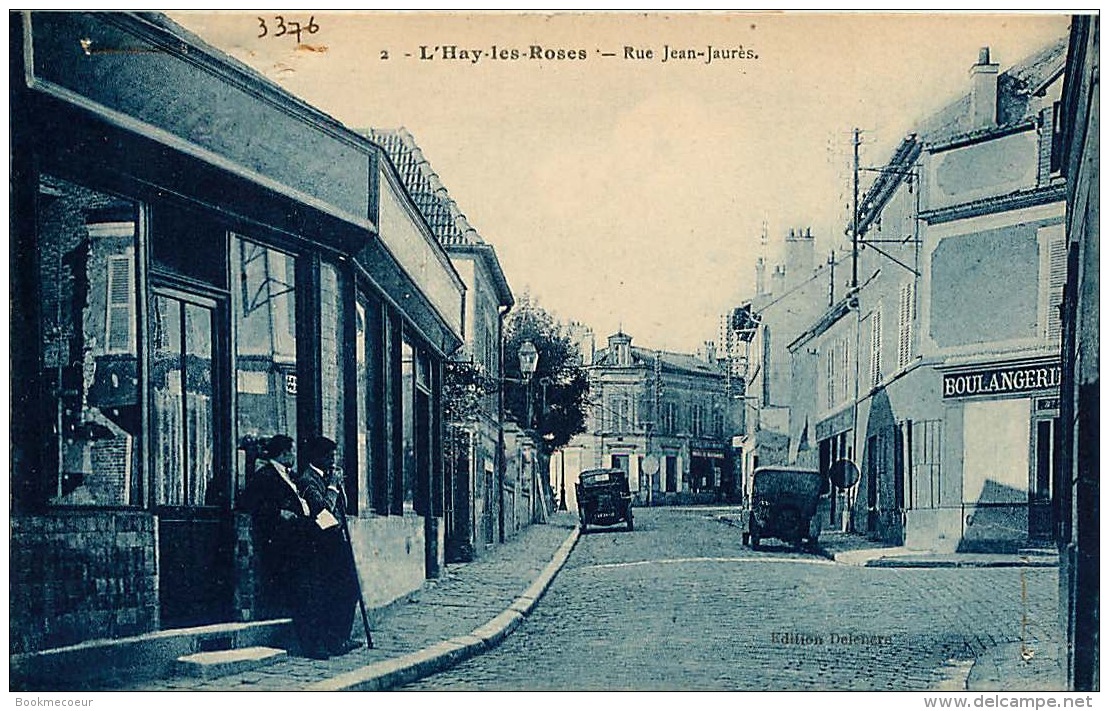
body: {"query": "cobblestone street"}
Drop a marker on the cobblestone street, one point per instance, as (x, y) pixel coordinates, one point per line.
(680, 604)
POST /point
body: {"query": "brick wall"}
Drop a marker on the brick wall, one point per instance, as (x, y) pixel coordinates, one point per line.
(77, 576)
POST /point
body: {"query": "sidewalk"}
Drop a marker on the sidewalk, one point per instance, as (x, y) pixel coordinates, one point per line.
(471, 608)
(854, 549)
(1032, 666)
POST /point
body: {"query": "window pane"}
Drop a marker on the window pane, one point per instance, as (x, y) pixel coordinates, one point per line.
(86, 276)
(264, 301)
(181, 384)
(408, 419)
(167, 399)
(361, 357)
(198, 403)
(331, 356)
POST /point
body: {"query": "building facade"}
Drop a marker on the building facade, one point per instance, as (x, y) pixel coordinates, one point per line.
(474, 456)
(761, 332)
(939, 373)
(665, 418)
(182, 289)
(1078, 477)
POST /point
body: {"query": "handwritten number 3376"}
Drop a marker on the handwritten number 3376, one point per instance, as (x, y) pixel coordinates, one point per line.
(288, 27)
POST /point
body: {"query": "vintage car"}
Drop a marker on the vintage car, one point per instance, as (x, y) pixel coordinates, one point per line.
(784, 502)
(604, 498)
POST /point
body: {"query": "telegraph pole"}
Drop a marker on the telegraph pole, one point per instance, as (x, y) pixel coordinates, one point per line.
(855, 212)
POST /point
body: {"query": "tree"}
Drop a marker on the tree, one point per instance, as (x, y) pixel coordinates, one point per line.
(559, 387)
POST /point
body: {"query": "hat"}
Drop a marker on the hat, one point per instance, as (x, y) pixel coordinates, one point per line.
(318, 447)
(278, 444)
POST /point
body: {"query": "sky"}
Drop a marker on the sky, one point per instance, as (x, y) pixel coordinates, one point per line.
(627, 192)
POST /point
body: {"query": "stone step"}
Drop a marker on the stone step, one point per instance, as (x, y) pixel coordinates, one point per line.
(210, 665)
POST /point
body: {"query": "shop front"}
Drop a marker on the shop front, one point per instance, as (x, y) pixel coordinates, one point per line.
(184, 287)
(1008, 449)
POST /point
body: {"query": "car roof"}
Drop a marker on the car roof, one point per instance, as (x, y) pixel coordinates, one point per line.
(589, 472)
(801, 470)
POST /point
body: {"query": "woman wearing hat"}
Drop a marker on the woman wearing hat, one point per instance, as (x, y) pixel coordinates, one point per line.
(332, 590)
(280, 519)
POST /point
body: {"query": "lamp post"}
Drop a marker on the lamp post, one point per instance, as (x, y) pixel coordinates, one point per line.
(562, 484)
(529, 360)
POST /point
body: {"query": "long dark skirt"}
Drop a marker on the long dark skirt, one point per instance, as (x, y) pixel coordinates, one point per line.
(329, 594)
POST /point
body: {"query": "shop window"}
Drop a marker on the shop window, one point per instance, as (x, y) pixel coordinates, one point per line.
(408, 423)
(364, 397)
(86, 245)
(331, 358)
(264, 302)
(182, 406)
(996, 451)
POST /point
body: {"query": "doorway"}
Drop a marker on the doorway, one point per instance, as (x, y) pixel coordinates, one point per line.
(191, 487)
(1045, 462)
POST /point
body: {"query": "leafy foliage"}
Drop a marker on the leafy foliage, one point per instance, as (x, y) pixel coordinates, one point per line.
(465, 387)
(559, 387)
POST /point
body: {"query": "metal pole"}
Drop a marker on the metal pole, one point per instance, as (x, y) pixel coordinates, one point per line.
(855, 213)
(562, 484)
(354, 567)
(531, 418)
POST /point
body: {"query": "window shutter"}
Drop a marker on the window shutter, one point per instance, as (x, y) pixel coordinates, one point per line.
(845, 370)
(121, 294)
(905, 325)
(1057, 278)
(876, 347)
(829, 378)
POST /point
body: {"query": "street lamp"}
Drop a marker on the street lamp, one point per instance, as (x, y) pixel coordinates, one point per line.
(529, 360)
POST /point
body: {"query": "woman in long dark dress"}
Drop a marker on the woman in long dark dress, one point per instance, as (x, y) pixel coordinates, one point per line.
(332, 590)
(280, 518)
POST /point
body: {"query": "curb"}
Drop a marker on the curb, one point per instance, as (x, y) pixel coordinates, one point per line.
(892, 562)
(873, 558)
(391, 673)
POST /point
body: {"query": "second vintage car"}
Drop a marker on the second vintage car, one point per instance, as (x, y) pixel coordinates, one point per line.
(784, 502)
(604, 498)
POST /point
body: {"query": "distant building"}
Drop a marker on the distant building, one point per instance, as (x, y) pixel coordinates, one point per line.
(759, 335)
(665, 418)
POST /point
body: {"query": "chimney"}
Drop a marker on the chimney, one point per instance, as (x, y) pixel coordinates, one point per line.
(582, 337)
(983, 91)
(799, 256)
(760, 277)
(778, 280)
